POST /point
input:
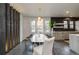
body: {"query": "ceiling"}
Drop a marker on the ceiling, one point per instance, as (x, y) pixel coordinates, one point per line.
(47, 9)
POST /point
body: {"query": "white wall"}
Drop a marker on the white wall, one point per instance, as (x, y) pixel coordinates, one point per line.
(26, 27)
(21, 27)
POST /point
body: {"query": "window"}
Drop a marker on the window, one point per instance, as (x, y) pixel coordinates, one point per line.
(40, 26)
(47, 29)
(65, 25)
(33, 26)
(71, 24)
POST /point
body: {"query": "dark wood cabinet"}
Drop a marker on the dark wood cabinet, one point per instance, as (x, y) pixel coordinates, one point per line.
(9, 28)
(59, 23)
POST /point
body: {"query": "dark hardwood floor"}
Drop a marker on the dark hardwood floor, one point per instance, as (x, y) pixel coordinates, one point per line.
(62, 48)
(26, 48)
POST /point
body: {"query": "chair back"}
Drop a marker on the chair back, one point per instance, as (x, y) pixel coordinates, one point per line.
(48, 46)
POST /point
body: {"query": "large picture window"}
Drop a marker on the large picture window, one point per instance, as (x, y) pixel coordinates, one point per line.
(40, 26)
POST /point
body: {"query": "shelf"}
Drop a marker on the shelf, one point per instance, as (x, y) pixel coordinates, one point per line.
(58, 27)
(59, 23)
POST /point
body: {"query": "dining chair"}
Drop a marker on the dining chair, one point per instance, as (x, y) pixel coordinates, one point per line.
(46, 48)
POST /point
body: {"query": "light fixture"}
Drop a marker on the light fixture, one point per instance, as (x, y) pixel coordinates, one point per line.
(42, 19)
(70, 16)
(39, 10)
(6, 46)
(67, 12)
(39, 18)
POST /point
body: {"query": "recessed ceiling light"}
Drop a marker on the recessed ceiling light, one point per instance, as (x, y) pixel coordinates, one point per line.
(70, 16)
(67, 12)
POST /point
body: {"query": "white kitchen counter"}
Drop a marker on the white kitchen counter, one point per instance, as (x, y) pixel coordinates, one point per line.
(74, 42)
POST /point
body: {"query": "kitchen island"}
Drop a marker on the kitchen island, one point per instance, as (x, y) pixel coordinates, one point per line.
(74, 42)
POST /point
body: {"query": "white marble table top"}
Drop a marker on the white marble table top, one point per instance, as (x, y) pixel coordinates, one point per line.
(39, 38)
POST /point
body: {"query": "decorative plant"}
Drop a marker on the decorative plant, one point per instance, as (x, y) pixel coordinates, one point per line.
(51, 24)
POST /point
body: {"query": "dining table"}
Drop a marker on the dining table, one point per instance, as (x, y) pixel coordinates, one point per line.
(38, 38)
